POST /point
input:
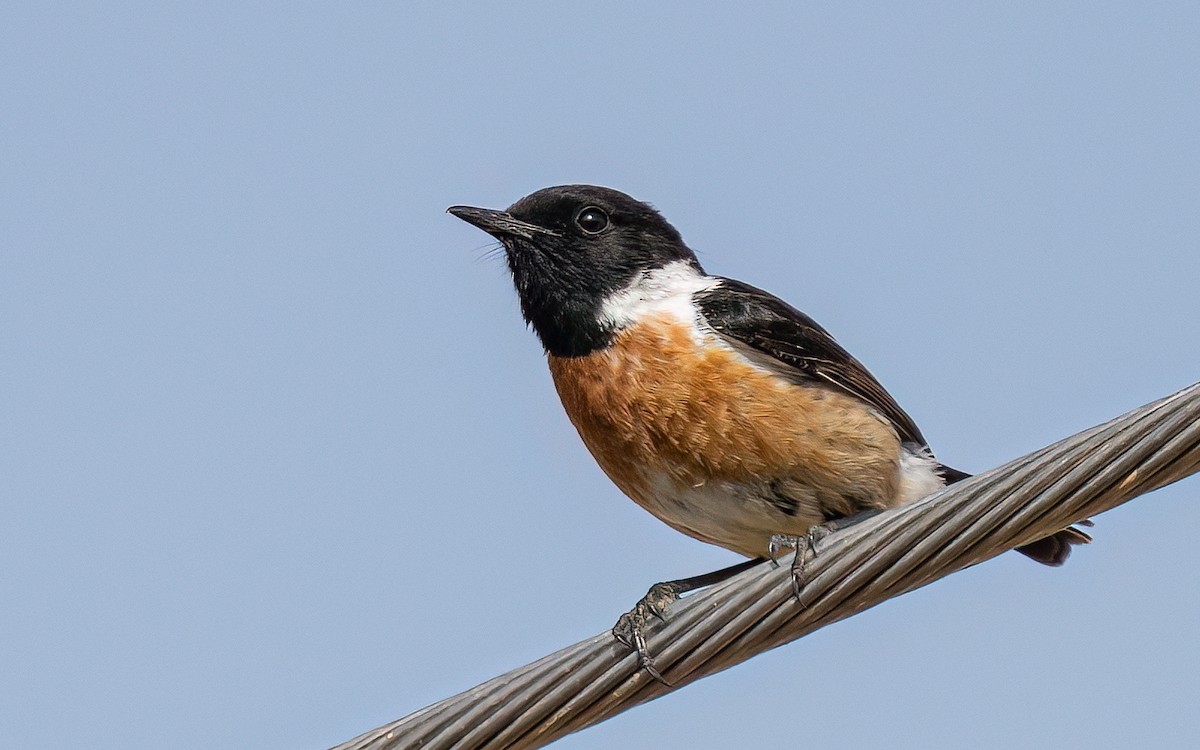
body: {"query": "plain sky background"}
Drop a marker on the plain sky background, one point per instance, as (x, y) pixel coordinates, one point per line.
(280, 463)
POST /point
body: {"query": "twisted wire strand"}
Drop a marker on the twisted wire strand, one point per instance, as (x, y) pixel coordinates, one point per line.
(881, 557)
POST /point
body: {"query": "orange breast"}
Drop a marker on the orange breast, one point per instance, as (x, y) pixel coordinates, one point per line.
(658, 402)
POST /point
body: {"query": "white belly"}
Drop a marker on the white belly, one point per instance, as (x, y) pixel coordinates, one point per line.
(743, 517)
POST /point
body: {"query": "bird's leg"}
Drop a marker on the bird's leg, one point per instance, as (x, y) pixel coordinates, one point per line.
(806, 549)
(806, 546)
(630, 628)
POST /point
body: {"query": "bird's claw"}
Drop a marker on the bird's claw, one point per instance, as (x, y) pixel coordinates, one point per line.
(806, 549)
(631, 626)
(780, 542)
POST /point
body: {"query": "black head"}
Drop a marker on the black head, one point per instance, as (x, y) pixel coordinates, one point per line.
(569, 248)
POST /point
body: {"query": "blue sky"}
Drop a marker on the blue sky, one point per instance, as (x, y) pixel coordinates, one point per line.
(279, 462)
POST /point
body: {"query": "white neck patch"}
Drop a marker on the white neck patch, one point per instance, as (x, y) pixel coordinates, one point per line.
(668, 289)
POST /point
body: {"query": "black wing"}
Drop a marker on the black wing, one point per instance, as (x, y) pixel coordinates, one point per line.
(796, 347)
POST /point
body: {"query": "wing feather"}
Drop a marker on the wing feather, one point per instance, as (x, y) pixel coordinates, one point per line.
(776, 335)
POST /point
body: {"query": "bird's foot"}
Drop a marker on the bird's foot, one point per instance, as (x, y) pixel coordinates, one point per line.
(806, 550)
(631, 627)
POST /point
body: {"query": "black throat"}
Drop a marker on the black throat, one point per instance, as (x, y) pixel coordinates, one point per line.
(566, 318)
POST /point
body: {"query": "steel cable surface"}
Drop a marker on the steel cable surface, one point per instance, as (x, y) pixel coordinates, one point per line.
(854, 569)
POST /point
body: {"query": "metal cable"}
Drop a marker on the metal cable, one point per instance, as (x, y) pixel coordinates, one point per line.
(854, 569)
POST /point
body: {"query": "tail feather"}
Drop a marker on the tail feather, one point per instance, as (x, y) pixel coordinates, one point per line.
(1055, 549)
(1052, 550)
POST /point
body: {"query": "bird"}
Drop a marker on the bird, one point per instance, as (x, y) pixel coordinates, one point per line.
(725, 412)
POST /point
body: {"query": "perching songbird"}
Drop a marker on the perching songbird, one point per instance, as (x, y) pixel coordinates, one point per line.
(724, 411)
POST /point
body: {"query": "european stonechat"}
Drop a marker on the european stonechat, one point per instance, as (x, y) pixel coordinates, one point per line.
(724, 411)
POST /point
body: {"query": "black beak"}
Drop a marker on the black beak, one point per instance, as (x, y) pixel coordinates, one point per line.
(497, 223)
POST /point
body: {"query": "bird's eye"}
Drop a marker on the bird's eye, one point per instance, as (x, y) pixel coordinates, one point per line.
(592, 220)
